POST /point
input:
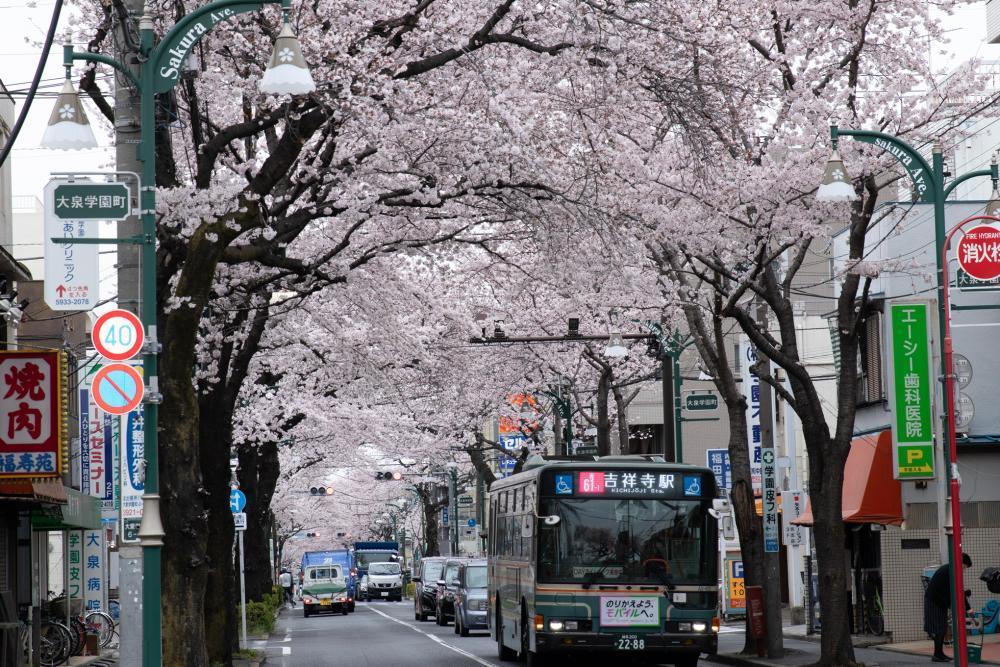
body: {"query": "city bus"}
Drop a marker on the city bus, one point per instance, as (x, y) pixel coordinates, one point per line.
(616, 554)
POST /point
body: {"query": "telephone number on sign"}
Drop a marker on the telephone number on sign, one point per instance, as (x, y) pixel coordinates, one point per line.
(72, 302)
(630, 643)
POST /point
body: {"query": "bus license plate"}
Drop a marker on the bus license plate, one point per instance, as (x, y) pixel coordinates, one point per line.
(630, 643)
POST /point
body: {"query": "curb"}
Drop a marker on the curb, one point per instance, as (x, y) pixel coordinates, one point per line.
(740, 660)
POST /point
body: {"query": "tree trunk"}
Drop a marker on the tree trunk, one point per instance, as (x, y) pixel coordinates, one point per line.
(258, 474)
(621, 408)
(221, 597)
(183, 512)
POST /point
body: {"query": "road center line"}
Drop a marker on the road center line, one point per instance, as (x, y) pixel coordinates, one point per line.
(440, 641)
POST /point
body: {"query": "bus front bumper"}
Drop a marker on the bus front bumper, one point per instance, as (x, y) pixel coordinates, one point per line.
(706, 642)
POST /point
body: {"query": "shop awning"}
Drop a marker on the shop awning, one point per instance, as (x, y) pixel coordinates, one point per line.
(80, 511)
(871, 495)
(26, 490)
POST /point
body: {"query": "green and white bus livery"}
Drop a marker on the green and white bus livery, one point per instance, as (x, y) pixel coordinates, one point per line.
(616, 554)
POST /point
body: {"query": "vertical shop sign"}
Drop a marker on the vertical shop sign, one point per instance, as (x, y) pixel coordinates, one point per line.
(133, 473)
(31, 420)
(770, 501)
(74, 552)
(750, 387)
(911, 389)
(93, 577)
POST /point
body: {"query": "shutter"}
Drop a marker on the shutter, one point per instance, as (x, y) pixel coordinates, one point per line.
(873, 356)
(835, 344)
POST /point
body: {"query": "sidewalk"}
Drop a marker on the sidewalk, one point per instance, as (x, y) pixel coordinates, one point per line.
(802, 650)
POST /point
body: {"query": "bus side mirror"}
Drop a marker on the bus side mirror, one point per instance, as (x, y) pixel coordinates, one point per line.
(721, 506)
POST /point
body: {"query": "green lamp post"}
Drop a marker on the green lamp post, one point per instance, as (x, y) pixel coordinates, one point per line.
(159, 71)
(929, 185)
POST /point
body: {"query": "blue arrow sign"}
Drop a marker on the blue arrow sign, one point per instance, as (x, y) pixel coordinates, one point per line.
(237, 501)
(472, 523)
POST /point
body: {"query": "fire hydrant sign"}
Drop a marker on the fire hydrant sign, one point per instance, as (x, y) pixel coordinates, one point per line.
(911, 389)
(72, 278)
(30, 414)
(979, 252)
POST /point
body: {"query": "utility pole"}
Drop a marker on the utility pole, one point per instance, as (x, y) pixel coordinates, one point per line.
(127, 138)
(669, 409)
(772, 564)
(453, 504)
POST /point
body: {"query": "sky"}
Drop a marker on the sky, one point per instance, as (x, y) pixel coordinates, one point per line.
(32, 165)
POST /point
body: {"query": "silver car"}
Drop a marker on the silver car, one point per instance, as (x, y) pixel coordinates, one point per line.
(470, 597)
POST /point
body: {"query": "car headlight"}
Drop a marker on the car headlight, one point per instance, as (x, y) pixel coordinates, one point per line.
(308, 600)
(698, 627)
(684, 627)
(555, 626)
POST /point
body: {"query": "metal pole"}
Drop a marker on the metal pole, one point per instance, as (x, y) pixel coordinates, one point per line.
(127, 130)
(669, 432)
(453, 522)
(675, 363)
(243, 595)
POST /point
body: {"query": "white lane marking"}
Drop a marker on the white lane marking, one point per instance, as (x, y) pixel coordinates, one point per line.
(468, 655)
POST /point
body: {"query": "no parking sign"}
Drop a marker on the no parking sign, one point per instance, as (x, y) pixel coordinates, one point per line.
(117, 389)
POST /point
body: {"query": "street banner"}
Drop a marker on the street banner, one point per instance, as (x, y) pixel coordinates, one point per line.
(511, 431)
(31, 404)
(770, 501)
(97, 460)
(911, 389)
(94, 566)
(750, 387)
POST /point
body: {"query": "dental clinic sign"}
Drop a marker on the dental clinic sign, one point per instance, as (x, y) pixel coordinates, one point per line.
(171, 54)
(911, 389)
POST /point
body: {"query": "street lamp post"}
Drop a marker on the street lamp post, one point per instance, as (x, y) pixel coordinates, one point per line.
(928, 182)
(159, 67)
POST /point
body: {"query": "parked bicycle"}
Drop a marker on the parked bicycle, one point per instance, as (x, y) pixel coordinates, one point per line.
(874, 611)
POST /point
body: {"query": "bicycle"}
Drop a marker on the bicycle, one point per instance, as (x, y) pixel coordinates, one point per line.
(103, 625)
(874, 611)
(55, 643)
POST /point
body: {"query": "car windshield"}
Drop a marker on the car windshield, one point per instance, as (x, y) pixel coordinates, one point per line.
(633, 541)
(384, 568)
(432, 570)
(366, 559)
(475, 577)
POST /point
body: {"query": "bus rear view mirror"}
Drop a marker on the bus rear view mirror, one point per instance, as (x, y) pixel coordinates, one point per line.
(551, 520)
(721, 505)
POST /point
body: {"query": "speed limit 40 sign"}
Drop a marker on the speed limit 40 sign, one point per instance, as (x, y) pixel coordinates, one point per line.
(117, 335)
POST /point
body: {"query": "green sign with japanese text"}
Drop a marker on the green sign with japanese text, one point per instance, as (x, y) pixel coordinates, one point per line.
(91, 201)
(697, 402)
(912, 390)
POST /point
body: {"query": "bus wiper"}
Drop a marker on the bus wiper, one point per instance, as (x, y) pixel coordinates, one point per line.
(592, 576)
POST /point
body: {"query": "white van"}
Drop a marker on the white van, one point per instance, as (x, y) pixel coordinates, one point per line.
(324, 588)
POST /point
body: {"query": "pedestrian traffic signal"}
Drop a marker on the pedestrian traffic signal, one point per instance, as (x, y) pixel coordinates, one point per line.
(388, 476)
(320, 490)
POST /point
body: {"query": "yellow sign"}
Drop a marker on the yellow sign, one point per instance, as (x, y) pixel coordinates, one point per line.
(737, 590)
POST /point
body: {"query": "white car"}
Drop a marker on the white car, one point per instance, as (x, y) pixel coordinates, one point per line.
(384, 581)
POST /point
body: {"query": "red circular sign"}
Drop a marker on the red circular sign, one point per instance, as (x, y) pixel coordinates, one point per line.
(117, 335)
(979, 252)
(117, 388)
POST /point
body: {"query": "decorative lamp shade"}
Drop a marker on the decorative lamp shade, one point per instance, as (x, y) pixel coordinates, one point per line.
(836, 185)
(68, 127)
(287, 73)
(616, 346)
(993, 205)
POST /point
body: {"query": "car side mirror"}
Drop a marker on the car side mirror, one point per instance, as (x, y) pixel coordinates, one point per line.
(415, 580)
(441, 582)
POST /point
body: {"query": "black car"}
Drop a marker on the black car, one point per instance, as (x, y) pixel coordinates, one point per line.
(447, 585)
(425, 580)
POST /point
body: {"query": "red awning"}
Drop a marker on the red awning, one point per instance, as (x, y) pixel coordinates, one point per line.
(871, 495)
(46, 491)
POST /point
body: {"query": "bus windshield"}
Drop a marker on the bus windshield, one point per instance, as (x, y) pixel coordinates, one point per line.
(626, 541)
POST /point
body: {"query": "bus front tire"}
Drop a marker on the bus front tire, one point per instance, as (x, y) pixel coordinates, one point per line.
(505, 654)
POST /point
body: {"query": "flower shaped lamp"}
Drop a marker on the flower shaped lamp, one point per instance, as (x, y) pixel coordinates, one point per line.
(287, 73)
(68, 126)
(836, 184)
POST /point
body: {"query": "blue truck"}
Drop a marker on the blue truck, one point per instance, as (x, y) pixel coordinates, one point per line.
(366, 553)
(342, 557)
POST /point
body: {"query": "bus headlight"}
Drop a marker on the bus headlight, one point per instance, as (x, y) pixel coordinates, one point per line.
(555, 626)
(698, 627)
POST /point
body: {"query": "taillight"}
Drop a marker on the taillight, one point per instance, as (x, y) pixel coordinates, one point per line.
(539, 622)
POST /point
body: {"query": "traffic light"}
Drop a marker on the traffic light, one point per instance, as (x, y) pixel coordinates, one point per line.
(312, 534)
(388, 476)
(320, 490)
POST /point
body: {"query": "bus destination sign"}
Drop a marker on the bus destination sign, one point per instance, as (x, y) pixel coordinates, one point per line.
(627, 483)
